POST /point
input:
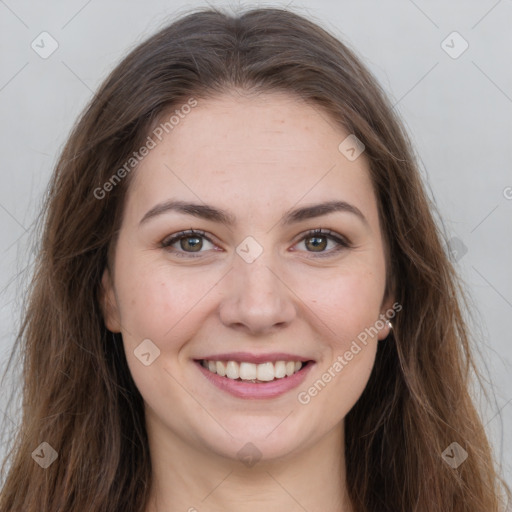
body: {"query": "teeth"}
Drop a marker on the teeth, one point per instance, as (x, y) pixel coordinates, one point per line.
(248, 371)
(221, 368)
(280, 369)
(264, 372)
(232, 370)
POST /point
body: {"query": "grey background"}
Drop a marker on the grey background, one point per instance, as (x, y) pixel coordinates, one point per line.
(458, 112)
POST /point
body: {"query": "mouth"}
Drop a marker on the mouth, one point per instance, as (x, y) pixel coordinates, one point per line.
(245, 379)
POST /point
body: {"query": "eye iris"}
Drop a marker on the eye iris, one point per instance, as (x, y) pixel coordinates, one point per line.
(316, 244)
(196, 244)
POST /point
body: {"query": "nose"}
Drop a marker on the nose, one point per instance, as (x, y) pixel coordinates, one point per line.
(257, 299)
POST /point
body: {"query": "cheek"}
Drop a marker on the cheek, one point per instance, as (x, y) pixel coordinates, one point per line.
(351, 376)
(350, 349)
(347, 303)
(160, 302)
(347, 307)
(341, 377)
(161, 306)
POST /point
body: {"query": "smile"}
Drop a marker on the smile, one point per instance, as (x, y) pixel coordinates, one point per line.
(254, 380)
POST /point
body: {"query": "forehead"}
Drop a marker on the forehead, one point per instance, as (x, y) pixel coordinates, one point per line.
(259, 153)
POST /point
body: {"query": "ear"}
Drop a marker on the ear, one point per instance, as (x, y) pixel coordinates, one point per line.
(108, 303)
(388, 312)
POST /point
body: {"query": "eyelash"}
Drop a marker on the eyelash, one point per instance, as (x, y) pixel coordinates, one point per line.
(343, 243)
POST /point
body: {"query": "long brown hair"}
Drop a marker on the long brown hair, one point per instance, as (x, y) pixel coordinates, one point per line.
(78, 394)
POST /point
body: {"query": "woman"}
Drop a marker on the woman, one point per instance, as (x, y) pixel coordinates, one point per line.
(242, 300)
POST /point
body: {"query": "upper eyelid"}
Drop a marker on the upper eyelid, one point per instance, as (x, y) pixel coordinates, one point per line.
(187, 233)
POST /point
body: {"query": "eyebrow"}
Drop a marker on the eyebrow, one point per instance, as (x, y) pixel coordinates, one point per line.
(208, 212)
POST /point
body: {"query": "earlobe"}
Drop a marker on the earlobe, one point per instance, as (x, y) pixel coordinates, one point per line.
(386, 317)
(108, 303)
(386, 331)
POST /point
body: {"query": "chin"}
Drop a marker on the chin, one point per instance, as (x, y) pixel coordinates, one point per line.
(263, 438)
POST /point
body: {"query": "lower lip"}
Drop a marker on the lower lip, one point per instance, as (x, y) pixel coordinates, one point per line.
(252, 390)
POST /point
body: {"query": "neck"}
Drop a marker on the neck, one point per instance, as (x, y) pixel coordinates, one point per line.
(185, 478)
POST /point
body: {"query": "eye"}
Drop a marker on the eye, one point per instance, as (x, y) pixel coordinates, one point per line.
(317, 240)
(190, 242)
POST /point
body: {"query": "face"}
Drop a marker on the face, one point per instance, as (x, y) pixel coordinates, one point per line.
(253, 284)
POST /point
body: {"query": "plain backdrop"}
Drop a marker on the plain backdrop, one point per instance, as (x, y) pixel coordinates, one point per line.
(453, 92)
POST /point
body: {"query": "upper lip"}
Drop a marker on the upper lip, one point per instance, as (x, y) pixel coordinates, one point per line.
(255, 358)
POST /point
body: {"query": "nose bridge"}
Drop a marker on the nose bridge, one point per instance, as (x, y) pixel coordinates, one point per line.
(257, 298)
(257, 280)
(252, 266)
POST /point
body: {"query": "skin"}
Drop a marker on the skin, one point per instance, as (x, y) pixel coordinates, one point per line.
(257, 157)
